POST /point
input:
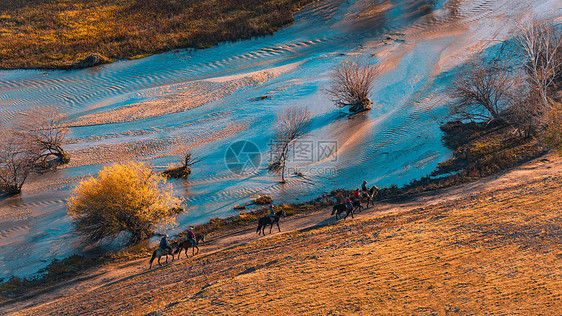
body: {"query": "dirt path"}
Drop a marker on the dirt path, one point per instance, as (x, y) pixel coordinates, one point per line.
(110, 275)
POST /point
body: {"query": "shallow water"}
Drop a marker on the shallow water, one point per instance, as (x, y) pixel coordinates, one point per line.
(209, 99)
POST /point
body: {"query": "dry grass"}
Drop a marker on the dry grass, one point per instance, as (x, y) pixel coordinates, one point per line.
(55, 34)
(497, 252)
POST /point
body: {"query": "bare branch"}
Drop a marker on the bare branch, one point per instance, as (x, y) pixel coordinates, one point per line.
(293, 123)
(44, 126)
(541, 42)
(351, 85)
(17, 157)
(481, 91)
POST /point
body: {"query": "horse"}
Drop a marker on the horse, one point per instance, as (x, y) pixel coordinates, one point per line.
(269, 220)
(163, 252)
(186, 244)
(356, 205)
(340, 208)
(370, 195)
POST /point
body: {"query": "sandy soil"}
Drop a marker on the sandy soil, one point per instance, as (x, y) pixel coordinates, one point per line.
(180, 98)
(488, 246)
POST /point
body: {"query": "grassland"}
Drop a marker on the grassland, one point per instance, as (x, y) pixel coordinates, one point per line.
(58, 34)
(494, 252)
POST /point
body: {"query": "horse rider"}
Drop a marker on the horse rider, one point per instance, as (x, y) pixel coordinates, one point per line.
(190, 234)
(348, 203)
(271, 210)
(364, 187)
(164, 244)
(356, 195)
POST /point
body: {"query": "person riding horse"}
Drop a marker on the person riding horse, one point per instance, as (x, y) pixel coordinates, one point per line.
(269, 220)
(370, 195)
(164, 244)
(356, 195)
(364, 186)
(348, 203)
(271, 210)
(190, 234)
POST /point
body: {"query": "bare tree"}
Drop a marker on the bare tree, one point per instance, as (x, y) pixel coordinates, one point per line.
(31, 139)
(292, 124)
(541, 42)
(186, 158)
(525, 113)
(45, 128)
(351, 85)
(481, 91)
(17, 158)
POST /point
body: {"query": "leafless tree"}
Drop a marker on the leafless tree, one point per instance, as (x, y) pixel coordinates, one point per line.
(27, 143)
(44, 127)
(525, 112)
(17, 158)
(351, 84)
(541, 42)
(292, 124)
(481, 91)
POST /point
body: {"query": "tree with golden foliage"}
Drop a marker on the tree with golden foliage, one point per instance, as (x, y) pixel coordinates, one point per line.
(128, 198)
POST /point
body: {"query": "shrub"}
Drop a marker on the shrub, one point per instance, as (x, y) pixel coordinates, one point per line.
(123, 198)
(351, 85)
(182, 171)
(177, 172)
(15, 286)
(263, 200)
(553, 131)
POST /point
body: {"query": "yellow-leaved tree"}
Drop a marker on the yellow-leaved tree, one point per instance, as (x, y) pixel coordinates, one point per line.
(126, 197)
